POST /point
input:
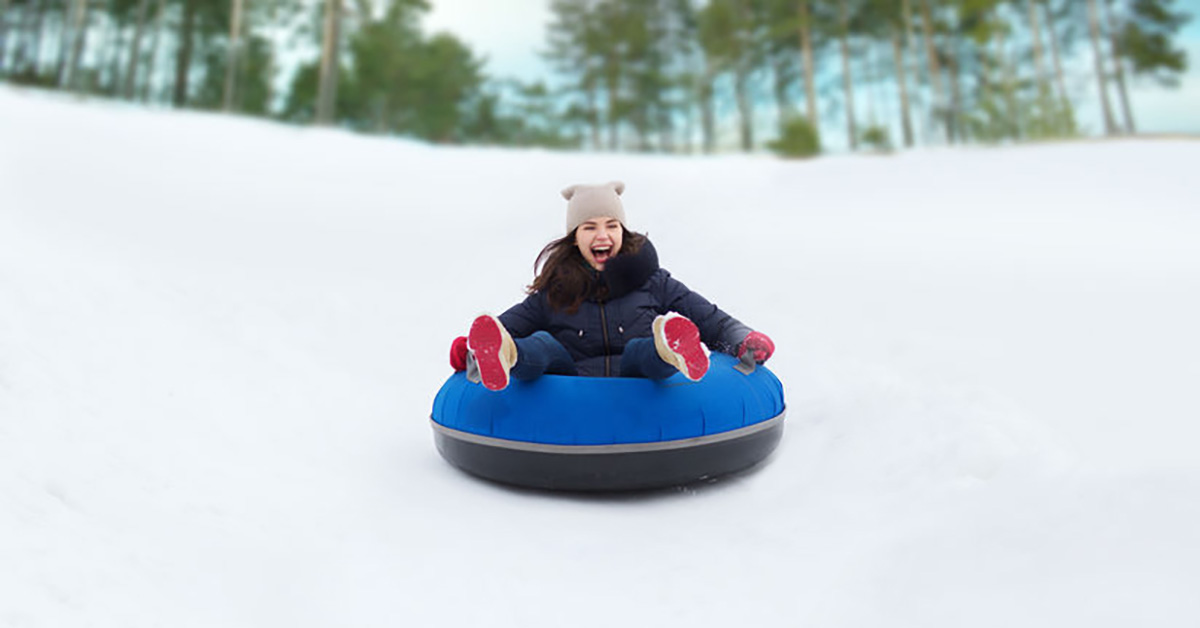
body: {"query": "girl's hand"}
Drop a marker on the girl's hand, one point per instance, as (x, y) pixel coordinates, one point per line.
(458, 353)
(758, 343)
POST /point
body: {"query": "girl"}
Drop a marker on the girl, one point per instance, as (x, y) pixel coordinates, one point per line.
(602, 306)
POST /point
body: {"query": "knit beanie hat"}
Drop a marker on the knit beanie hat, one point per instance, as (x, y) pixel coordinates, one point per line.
(585, 202)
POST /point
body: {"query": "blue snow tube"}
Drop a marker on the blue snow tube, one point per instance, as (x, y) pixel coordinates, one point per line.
(605, 433)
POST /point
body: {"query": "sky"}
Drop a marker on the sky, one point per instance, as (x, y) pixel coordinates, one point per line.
(510, 33)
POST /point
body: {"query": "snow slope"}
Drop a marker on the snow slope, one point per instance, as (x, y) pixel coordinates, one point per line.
(220, 340)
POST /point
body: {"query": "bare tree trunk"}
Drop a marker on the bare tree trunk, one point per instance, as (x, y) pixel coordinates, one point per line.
(847, 78)
(687, 133)
(780, 86)
(912, 55)
(1039, 63)
(935, 70)
(135, 50)
(114, 57)
(1126, 109)
(666, 131)
(1110, 126)
(745, 115)
(594, 116)
(34, 37)
(4, 16)
(183, 60)
(902, 84)
(954, 112)
(234, 55)
(641, 130)
(22, 33)
(1008, 69)
(810, 81)
(79, 41)
(152, 61)
(64, 47)
(708, 122)
(330, 64)
(614, 119)
(33, 33)
(21, 36)
(1060, 79)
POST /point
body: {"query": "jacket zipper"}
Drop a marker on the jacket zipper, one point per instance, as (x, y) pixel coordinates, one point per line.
(607, 350)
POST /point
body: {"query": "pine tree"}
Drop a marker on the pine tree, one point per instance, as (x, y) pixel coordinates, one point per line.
(183, 55)
(5, 10)
(884, 20)
(160, 17)
(330, 62)
(78, 41)
(844, 21)
(233, 54)
(135, 45)
(808, 46)
(1110, 125)
(1146, 41)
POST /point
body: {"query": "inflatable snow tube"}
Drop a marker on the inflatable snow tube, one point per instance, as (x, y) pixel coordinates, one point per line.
(611, 434)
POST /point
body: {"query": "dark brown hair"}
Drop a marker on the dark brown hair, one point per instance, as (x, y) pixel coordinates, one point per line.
(561, 272)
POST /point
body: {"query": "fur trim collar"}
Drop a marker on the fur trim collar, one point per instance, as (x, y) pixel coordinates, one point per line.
(626, 273)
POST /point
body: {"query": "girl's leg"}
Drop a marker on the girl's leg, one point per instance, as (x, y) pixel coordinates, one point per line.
(540, 354)
(640, 359)
(675, 348)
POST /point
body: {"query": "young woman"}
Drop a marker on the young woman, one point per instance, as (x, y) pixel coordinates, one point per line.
(601, 306)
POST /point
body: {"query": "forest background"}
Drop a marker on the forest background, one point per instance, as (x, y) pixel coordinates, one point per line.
(667, 76)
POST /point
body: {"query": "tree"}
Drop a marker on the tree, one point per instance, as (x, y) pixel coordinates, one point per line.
(1118, 65)
(1110, 125)
(233, 54)
(78, 39)
(799, 138)
(728, 38)
(1039, 64)
(884, 20)
(135, 50)
(152, 58)
(1064, 101)
(929, 29)
(807, 47)
(844, 17)
(1144, 40)
(330, 62)
(570, 52)
(33, 43)
(183, 56)
(5, 9)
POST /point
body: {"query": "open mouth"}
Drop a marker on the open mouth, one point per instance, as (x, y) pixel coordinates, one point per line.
(601, 254)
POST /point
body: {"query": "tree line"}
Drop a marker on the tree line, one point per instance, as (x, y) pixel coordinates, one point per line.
(640, 75)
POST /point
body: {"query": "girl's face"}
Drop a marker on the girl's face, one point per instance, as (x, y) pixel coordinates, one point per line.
(599, 239)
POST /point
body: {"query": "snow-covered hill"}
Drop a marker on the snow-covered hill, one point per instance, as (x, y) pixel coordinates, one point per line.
(220, 340)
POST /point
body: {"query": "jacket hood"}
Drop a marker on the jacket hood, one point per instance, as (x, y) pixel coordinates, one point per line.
(625, 273)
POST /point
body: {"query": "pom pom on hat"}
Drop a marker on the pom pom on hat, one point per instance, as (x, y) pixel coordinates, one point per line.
(585, 202)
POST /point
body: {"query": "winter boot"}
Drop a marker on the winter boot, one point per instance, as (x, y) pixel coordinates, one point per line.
(494, 351)
(678, 343)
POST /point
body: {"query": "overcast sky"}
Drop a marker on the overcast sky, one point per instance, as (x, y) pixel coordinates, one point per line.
(509, 33)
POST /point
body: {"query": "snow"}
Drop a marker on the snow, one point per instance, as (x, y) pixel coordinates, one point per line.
(220, 340)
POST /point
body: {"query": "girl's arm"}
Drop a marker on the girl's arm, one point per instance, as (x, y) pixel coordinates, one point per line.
(525, 317)
(720, 331)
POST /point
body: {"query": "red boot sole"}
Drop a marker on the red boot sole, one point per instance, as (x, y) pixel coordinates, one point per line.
(485, 341)
(683, 338)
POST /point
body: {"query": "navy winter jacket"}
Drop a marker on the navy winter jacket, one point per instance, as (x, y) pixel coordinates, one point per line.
(638, 291)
